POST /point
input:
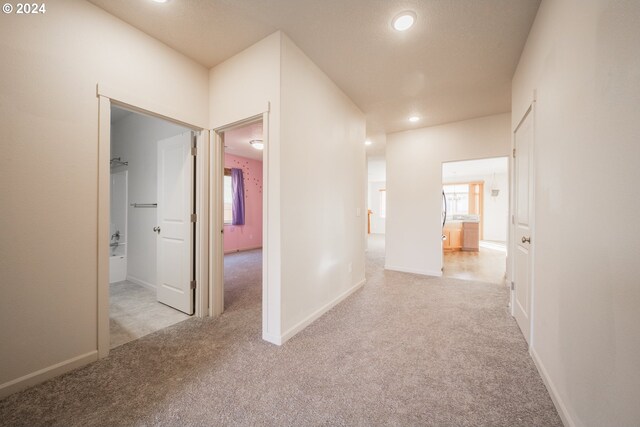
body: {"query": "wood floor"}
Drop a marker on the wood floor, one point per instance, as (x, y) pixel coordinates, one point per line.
(135, 312)
(486, 265)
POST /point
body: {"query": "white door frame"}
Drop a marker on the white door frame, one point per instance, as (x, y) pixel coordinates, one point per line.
(106, 98)
(217, 217)
(512, 207)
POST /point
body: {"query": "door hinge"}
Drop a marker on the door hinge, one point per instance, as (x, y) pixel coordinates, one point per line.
(193, 284)
(514, 153)
(194, 151)
(194, 217)
(513, 285)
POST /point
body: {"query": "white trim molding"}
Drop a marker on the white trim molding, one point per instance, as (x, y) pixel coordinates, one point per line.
(553, 391)
(248, 248)
(313, 316)
(47, 373)
(413, 270)
(141, 282)
(141, 104)
(201, 255)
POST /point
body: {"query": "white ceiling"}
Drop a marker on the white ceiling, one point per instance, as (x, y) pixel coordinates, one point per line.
(455, 63)
(470, 168)
(236, 141)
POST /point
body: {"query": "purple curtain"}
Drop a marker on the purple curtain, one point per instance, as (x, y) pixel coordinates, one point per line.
(237, 201)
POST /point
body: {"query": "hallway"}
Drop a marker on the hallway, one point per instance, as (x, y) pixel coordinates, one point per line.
(404, 350)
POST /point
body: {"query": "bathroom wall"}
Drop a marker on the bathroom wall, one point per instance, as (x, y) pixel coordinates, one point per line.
(134, 138)
(118, 224)
(118, 204)
(249, 235)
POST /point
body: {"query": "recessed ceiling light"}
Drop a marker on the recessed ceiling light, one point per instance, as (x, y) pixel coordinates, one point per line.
(404, 20)
(257, 144)
(160, 1)
(414, 119)
(368, 142)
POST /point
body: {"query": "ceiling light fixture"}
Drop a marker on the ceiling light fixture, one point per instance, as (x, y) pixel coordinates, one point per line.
(404, 21)
(257, 144)
(368, 142)
(159, 1)
(414, 119)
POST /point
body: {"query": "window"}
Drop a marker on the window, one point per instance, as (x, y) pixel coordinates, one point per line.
(228, 196)
(383, 203)
(457, 199)
(463, 199)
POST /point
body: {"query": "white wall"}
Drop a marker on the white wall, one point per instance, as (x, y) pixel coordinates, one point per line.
(495, 219)
(377, 222)
(582, 59)
(313, 128)
(135, 138)
(323, 202)
(496, 209)
(246, 85)
(414, 185)
(48, 176)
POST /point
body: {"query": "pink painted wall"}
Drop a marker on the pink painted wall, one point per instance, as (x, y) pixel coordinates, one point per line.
(249, 235)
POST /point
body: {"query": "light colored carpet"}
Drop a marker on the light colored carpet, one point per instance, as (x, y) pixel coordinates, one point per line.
(404, 350)
(134, 311)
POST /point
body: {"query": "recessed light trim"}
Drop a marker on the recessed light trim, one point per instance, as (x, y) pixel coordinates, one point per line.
(404, 20)
(257, 144)
(414, 119)
(368, 142)
(159, 1)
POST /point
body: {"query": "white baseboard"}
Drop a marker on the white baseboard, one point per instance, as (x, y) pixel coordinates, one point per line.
(250, 248)
(141, 282)
(314, 316)
(413, 271)
(273, 339)
(45, 374)
(553, 392)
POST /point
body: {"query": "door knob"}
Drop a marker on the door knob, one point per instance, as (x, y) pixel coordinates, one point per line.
(156, 229)
(526, 239)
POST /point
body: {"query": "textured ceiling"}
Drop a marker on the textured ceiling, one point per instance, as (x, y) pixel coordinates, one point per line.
(455, 63)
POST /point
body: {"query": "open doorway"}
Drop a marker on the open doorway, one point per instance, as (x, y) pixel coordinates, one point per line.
(475, 219)
(376, 205)
(151, 227)
(243, 218)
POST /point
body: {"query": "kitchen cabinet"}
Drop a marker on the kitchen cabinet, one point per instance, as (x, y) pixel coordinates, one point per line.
(453, 233)
(471, 236)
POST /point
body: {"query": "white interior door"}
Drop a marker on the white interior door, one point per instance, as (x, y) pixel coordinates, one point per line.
(175, 205)
(523, 224)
